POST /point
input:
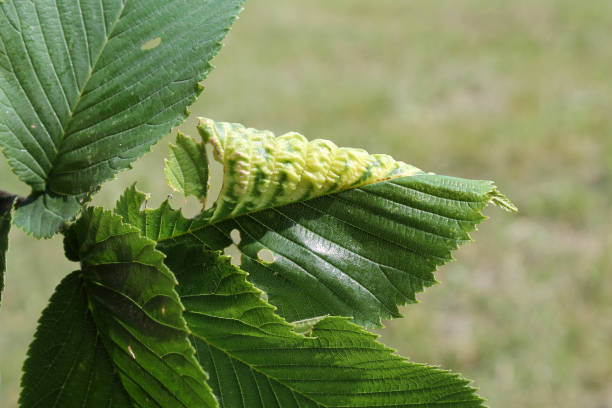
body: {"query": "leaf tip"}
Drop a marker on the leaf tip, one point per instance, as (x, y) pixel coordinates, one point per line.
(500, 200)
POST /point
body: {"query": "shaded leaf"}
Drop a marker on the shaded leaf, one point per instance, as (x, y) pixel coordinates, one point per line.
(255, 359)
(137, 312)
(42, 215)
(67, 364)
(6, 205)
(87, 87)
(187, 167)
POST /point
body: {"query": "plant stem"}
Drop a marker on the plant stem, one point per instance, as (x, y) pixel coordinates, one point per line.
(6, 195)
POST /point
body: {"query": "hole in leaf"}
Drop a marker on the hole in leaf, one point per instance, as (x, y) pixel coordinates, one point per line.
(191, 206)
(266, 256)
(235, 235)
(215, 178)
(149, 45)
(233, 252)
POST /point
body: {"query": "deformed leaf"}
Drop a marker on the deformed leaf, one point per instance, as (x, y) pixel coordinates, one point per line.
(262, 171)
(256, 359)
(67, 364)
(138, 314)
(87, 87)
(187, 167)
(359, 252)
(349, 233)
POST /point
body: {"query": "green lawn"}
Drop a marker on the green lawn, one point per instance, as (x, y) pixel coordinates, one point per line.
(515, 91)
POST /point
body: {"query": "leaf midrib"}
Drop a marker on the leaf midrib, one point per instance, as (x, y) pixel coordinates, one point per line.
(234, 358)
(216, 222)
(73, 108)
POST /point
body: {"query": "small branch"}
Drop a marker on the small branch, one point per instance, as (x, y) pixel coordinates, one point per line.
(5, 195)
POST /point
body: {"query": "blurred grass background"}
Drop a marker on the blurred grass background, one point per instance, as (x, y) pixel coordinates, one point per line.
(514, 91)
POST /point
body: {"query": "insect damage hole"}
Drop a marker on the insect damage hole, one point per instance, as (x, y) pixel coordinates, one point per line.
(266, 256)
(235, 236)
(149, 45)
(234, 253)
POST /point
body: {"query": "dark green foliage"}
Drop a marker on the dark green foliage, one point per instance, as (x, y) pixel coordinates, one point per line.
(89, 86)
(357, 253)
(86, 88)
(67, 364)
(118, 323)
(165, 223)
(361, 252)
(256, 360)
(6, 205)
(137, 312)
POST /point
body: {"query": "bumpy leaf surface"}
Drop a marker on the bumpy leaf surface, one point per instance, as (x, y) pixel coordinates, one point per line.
(6, 205)
(263, 171)
(352, 234)
(87, 86)
(137, 313)
(355, 235)
(256, 360)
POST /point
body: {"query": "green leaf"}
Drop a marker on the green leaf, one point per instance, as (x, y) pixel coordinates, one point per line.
(359, 250)
(187, 167)
(67, 364)
(138, 314)
(164, 223)
(87, 87)
(255, 359)
(262, 171)
(42, 215)
(6, 205)
(363, 251)
(350, 234)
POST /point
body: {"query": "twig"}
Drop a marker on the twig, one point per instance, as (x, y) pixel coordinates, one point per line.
(5, 196)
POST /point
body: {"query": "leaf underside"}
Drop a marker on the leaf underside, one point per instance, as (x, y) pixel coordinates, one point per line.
(87, 87)
(261, 170)
(255, 359)
(184, 170)
(136, 313)
(44, 214)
